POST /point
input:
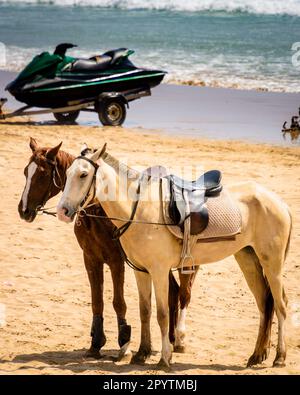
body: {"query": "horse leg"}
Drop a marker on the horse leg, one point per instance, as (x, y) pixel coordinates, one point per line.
(94, 269)
(173, 306)
(252, 270)
(144, 285)
(185, 290)
(124, 331)
(161, 287)
(273, 272)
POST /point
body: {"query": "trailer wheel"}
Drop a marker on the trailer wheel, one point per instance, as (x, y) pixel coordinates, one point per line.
(66, 117)
(111, 112)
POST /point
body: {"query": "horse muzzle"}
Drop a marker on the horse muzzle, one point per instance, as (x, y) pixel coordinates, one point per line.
(27, 215)
(66, 214)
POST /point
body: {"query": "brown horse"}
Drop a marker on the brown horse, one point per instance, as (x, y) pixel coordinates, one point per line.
(45, 177)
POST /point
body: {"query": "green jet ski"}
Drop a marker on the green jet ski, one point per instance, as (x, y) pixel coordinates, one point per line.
(67, 85)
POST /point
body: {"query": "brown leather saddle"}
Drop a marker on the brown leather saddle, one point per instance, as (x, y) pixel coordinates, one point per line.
(188, 198)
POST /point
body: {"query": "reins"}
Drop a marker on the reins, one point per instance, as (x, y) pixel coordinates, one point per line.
(42, 210)
(82, 211)
(133, 221)
(118, 232)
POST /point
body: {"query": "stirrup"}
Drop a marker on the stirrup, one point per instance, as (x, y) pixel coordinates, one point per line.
(188, 271)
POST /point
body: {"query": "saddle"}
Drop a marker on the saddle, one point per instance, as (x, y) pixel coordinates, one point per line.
(187, 206)
(187, 199)
(187, 209)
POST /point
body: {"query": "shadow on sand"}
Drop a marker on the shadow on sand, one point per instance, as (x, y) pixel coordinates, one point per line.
(76, 362)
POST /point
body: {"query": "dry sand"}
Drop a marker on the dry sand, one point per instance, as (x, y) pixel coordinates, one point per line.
(45, 289)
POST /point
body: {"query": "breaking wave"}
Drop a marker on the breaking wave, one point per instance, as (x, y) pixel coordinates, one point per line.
(267, 7)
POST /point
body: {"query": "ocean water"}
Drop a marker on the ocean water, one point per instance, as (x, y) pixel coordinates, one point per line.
(229, 43)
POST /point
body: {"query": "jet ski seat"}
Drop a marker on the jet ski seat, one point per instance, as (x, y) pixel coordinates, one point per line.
(94, 64)
(100, 62)
(116, 54)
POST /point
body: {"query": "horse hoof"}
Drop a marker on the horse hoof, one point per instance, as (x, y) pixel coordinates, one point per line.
(124, 351)
(139, 358)
(93, 353)
(256, 359)
(163, 365)
(279, 363)
(124, 335)
(179, 349)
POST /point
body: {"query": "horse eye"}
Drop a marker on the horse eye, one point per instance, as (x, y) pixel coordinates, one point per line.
(83, 175)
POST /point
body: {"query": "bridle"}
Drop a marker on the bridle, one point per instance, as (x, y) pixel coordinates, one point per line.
(85, 202)
(118, 232)
(40, 209)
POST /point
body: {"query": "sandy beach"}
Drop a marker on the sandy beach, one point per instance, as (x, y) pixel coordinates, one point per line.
(44, 286)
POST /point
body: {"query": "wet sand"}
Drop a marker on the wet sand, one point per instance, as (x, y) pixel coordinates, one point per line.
(44, 286)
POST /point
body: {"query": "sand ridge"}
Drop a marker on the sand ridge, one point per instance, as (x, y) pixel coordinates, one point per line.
(45, 289)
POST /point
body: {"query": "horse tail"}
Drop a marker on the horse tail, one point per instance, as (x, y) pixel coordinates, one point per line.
(269, 301)
(290, 234)
(287, 251)
(269, 307)
(173, 305)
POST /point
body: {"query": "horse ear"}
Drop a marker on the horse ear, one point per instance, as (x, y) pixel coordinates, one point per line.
(83, 148)
(51, 154)
(97, 155)
(33, 144)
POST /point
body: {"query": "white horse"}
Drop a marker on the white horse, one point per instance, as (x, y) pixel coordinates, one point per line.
(260, 249)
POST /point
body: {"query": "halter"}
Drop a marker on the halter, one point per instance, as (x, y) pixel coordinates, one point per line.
(40, 209)
(86, 200)
(118, 232)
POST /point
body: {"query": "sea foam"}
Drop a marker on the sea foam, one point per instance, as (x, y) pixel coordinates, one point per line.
(269, 7)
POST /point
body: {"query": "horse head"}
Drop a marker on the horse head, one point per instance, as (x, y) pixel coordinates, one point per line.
(43, 180)
(80, 186)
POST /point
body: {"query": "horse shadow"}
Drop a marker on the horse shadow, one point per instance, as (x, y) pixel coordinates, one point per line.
(76, 362)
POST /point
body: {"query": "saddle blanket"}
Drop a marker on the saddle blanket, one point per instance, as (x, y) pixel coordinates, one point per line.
(225, 219)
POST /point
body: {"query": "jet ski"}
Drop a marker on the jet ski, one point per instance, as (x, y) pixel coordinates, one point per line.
(58, 81)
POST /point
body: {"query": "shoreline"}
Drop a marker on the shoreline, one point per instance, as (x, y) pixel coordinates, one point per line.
(218, 85)
(200, 112)
(215, 84)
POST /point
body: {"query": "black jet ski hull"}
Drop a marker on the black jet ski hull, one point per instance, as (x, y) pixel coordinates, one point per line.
(68, 88)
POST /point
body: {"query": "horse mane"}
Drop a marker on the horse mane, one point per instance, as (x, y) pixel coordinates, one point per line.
(64, 159)
(120, 167)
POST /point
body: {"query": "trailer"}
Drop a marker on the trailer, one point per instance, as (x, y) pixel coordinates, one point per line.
(110, 107)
